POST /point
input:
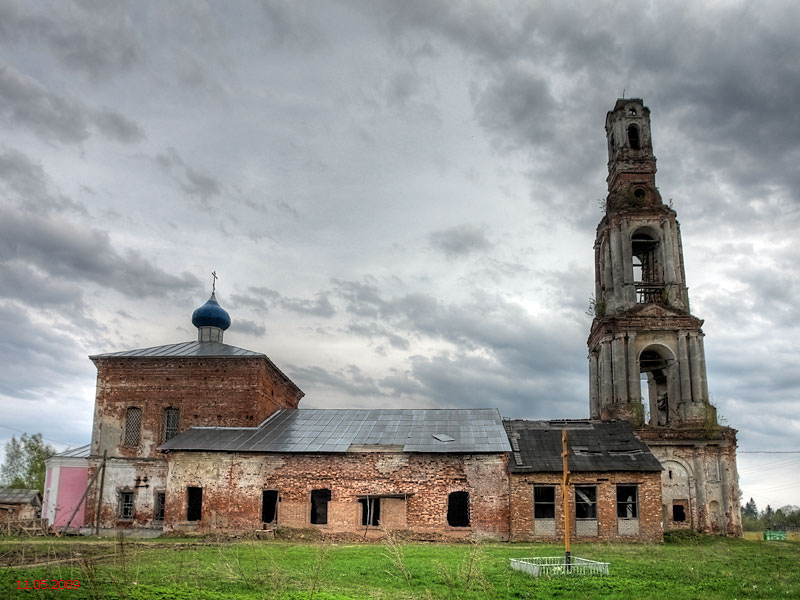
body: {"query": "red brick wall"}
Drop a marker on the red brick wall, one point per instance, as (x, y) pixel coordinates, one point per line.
(223, 392)
(232, 486)
(649, 484)
(208, 391)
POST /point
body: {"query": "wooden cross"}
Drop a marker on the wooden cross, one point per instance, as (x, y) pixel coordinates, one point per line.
(214, 282)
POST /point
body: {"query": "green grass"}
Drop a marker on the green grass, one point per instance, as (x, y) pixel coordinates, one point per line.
(701, 567)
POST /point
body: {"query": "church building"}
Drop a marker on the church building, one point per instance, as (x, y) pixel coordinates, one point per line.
(202, 436)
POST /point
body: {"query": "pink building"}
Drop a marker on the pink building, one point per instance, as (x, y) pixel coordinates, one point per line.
(64, 486)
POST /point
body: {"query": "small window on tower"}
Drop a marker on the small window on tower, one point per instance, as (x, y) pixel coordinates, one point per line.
(632, 111)
(633, 137)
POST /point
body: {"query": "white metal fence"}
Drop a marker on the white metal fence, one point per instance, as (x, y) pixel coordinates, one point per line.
(555, 565)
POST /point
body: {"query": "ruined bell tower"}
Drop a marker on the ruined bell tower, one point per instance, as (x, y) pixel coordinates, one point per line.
(646, 357)
(642, 324)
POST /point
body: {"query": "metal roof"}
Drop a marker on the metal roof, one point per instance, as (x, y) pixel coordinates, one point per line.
(79, 452)
(185, 349)
(593, 446)
(343, 430)
(18, 496)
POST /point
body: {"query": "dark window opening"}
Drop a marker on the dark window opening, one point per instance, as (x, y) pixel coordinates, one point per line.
(171, 417)
(158, 510)
(319, 506)
(678, 513)
(370, 511)
(646, 268)
(633, 137)
(627, 502)
(639, 193)
(458, 509)
(544, 502)
(125, 508)
(586, 502)
(656, 369)
(194, 503)
(133, 422)
(632, 111)
(269, 506)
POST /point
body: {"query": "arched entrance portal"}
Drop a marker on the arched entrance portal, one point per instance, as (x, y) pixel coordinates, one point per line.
(657, 364)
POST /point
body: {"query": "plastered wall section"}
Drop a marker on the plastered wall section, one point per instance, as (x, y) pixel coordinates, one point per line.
(704, 477)
(233, 483)
(607, 527)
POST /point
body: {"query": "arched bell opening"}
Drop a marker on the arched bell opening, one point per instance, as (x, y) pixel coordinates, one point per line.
(647, 271)
(657, 370)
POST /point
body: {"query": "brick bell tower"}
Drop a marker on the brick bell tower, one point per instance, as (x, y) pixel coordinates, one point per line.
(643, 331)
(642, 323)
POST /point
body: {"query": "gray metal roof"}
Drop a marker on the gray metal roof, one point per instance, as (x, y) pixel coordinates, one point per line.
(184, 349)
(593, 446)
(343, 430)
(19, 496)
(79, 452)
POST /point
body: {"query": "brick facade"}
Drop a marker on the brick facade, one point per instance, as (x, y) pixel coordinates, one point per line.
(608, 526)
(419, 486)
(207, 391)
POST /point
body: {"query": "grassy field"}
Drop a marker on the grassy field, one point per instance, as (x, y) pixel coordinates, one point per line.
(206, 569)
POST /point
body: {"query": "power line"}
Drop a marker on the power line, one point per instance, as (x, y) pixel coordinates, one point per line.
(769, 452)
(44, 438)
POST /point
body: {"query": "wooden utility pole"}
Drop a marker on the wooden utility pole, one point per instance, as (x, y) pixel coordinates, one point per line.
(100, 495)
(565, 496)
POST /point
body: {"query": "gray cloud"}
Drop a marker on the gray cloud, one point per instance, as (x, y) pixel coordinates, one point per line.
(460, 241)
(192, 181)
(262, 299)
(96, 39)
(66, 251)
(249, 327)
(27, 103)
(26, 181)
(350, 379)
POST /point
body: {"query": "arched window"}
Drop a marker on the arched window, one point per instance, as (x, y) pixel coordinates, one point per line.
(654, 366)
(133, 425)
(171, 418)
(646, 267)
(633, 137)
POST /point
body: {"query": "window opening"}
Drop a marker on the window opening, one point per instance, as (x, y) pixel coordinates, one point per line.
(678, 513)
(633, 137)
(627, 502)
(655, 368)
(125, 509)
(269, 506)
(133, 422)
(370, 511)
(194, 503)
(544, 502)
(632, 111)
(458, 509)
(171, 417)
(646, 270)
(586, 502)
(319, 506)
(158, 511)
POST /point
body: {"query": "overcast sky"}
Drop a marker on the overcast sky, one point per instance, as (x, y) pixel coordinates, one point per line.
(399, 198)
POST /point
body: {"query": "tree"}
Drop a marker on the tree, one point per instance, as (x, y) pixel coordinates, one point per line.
(750, 509)
(24, 464)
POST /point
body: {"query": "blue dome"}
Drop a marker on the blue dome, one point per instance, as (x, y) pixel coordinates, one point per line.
(211, 314)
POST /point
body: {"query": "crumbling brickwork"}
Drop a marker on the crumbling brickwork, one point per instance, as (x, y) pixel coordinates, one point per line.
(413, 490)
(608, 527)
(206, 391)
(700, 472)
